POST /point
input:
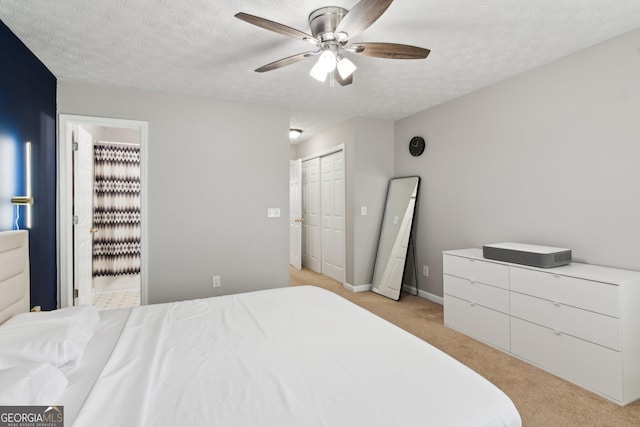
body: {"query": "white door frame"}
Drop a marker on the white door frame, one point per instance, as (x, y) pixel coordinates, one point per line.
(65, 200)
(326, 152)
(295, 213)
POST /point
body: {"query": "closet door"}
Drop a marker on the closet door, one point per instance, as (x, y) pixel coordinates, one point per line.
(332, 172)
(311, 254)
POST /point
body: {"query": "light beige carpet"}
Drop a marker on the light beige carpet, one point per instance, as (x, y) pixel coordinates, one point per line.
(541, 398)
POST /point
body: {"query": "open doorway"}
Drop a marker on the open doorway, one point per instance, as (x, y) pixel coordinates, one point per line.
(102, 191)
(116, 217)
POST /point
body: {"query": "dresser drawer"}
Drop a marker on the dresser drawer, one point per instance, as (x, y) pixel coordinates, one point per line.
(476, 292)
(476, 270)
(584, 363)
(590, 326)
(477, 321)
(594, 296)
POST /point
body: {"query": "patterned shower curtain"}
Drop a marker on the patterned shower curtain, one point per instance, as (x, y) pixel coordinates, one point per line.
(116, 210)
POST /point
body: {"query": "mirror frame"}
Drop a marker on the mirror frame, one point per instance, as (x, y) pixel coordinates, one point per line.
(393, 290)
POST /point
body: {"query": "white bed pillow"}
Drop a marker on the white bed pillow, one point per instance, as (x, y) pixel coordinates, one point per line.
(31, 384)
(83, 317)
(55, 343)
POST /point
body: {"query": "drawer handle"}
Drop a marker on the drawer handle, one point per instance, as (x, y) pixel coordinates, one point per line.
(558, 333)
(472, 304)
(472, 282)
(557, 304)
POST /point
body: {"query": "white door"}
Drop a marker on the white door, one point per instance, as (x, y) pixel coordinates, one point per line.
(83, 216)
(333, 216)
(311, 214)
(295, 213)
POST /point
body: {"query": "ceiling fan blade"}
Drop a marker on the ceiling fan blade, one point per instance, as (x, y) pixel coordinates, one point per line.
(274, 26)
(285, 61)
(389, 50)
(361, 16)
(340, 80)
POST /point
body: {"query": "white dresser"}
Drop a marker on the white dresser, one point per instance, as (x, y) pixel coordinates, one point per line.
(580, 321)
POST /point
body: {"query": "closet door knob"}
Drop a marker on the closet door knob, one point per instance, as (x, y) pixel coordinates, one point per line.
(93, 230)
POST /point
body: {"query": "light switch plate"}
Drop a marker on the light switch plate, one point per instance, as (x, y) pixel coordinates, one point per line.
(363, 210)
(273, 212)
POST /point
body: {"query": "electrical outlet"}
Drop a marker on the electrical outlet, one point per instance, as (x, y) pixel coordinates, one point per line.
(216, 281)
(425, 270)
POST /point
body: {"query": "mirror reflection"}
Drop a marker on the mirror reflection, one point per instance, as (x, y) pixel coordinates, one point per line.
(395, 235)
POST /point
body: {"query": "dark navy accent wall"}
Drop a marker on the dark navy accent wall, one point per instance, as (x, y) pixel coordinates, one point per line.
(28, 113)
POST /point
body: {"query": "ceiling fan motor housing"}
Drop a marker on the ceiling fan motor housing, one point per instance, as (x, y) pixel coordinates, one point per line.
(324, 21)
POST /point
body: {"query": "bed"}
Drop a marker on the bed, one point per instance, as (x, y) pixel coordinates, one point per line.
(294, 356)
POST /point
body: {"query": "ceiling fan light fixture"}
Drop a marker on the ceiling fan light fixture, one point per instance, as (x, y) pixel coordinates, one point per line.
(318, 72)
(328, 60)
(345, 67)
(325, 66)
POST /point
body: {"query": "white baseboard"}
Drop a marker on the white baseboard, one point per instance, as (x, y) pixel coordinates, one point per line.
(355, 289)
(423, 294)
(409, 289)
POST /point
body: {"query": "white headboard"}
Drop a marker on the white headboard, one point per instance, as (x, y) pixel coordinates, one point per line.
(14, 273)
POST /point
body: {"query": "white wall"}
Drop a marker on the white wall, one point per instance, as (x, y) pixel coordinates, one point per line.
(549, 157)
(214, 169)
(369, 166)
(328, 139)
(373, 170)
(131, 136)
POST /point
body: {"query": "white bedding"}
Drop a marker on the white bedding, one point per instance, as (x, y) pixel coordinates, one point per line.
(83, 374)
(298, 356)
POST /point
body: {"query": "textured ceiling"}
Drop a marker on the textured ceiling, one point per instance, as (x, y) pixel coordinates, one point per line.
(197, 47)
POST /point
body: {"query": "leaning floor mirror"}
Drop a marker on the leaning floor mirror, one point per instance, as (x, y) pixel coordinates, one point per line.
(395, 236)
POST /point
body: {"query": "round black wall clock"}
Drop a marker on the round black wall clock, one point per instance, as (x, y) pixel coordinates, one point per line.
(416, 146)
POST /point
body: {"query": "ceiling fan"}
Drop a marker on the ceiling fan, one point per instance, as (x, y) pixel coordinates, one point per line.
(332, 28)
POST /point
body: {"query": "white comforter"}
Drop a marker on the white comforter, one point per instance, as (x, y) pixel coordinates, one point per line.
(297, 357)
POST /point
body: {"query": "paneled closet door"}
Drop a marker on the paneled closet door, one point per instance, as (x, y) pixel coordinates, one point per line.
(311, 225)
(332, 171)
